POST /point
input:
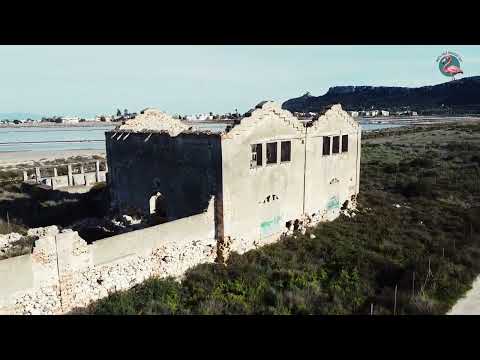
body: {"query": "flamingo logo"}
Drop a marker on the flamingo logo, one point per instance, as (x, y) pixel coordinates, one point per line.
(449, 64)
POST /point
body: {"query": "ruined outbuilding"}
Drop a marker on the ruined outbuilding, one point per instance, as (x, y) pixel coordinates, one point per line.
(268, 173)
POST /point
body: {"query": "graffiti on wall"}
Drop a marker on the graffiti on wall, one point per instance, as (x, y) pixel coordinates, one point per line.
(271, 226)
(333, 203)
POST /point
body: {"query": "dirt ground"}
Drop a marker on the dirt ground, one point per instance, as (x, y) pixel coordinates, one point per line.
(470, 304)
(13, 159)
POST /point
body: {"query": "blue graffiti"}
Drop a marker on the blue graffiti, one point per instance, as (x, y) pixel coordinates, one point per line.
(333, 203)
(269, 227)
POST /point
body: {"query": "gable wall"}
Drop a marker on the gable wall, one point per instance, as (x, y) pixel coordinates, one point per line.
(249, 218)
(331, 179)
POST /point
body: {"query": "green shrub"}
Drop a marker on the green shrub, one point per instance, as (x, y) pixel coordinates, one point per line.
(415, 189)
(434, 236)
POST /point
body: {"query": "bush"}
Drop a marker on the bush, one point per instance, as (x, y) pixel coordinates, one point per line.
(390, 168)
(475, 158)
(422, 162)
(415, 189)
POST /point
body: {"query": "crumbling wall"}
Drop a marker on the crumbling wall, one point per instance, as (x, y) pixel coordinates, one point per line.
(29, 283)
(331, 180)
(154, 120)
(184, 169)
(259, 200)
(71, 179)
(64, 273)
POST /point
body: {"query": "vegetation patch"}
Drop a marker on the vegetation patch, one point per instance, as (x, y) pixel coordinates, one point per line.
(413, 247)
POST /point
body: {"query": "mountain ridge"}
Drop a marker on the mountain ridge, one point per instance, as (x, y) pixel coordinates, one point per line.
(462, 95)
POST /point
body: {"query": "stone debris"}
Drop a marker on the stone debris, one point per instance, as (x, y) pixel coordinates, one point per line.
(154, 120)
(111, 226)
(348, 212)
(130, 220)
(7, 241)
(45, 301)
(43, 231)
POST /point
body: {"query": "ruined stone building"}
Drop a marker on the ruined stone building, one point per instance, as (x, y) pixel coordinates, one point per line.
(266, 173)
(214, 192)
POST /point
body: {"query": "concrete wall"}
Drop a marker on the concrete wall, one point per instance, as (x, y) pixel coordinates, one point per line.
(332, 179)
(56, 182)
(15, 274)
(184, 169)
(258, 201)
(64, 273)
(59, 181)
(29, 283)
(88, 178)
(78, 179)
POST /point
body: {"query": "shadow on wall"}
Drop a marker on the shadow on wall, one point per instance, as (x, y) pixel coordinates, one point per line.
(36, 207)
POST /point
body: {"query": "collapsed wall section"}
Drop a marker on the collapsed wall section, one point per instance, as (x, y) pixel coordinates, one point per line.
(29, 283)
(64, 273)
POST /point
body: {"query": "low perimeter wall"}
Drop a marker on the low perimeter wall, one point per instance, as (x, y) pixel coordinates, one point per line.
(64, 273)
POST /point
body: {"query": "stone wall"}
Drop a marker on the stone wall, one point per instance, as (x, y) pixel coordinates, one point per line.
(64, 273)
(331, 180)
(184, 170)
(29, 283)
(260, 202)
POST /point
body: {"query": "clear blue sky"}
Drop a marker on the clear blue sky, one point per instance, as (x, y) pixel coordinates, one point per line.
(89, 80)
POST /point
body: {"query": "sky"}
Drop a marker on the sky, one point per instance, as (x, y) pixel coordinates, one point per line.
(89, 80)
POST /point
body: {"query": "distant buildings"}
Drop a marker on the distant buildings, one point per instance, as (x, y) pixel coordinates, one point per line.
(406, 113)
(199, 117)
(69, 120)
(385, 113)
(103, 118)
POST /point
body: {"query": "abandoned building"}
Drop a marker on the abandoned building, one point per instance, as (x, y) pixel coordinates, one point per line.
(266, 173)
(213, 192)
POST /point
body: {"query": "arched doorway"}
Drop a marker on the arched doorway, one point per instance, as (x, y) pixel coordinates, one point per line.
(158, 206)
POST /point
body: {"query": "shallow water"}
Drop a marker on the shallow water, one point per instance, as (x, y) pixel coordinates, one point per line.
(41, 139)
(47, 139)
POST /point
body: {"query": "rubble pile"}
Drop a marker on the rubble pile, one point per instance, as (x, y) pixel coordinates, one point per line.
(44, 301)
(7, 241)
(43, 231)
(154, 120)
(99, 228)
(15, 244)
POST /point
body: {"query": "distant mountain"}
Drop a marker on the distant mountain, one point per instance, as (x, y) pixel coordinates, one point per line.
(19, 116)
(458, 96)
